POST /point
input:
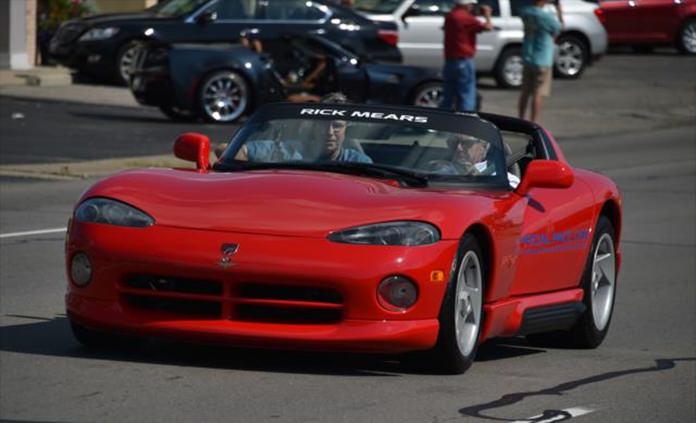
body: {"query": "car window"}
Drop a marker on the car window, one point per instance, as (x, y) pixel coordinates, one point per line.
(494, 5)
(235, 9)
(377, 6)
(432, 7)
(176, 8)
(294, 10)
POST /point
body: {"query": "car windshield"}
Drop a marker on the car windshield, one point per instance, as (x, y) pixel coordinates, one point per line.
(377, 6)
(410, 146)
(176, 8)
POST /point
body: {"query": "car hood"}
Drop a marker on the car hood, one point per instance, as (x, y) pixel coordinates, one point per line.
(290, 202)
(120, 18)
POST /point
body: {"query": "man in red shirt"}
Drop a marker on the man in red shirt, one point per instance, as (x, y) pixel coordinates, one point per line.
(459, 72)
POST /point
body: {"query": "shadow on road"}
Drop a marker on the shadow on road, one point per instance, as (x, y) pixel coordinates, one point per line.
(52, 337)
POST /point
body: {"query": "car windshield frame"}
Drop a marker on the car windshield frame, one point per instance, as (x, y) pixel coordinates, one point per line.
(422, 119)
(195, 6)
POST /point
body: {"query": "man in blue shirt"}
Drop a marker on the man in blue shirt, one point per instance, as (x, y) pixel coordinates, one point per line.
(540, 29)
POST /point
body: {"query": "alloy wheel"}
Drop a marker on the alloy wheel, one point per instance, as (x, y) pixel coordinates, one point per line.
(468, 303)
(429, 97)
(127, 61)
(689, 37)
(512, 71)
(224, 97)
(571, 58)
(603, 281)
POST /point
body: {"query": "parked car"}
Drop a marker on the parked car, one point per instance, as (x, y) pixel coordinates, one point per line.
(104, 45)
(420, 22)
(282, 245)
(223, 82)
(647, 23)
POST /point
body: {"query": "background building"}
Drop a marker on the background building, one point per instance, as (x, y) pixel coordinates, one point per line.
(18, 26)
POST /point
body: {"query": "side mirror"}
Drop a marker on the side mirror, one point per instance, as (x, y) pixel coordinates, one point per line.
(206, 17)
(545, 174)
(193, 147)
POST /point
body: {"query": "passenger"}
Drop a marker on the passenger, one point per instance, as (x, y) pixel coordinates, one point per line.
(333, 134)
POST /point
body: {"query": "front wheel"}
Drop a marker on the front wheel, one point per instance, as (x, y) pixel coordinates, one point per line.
(686, 43)
(461, 315)
(572, 57)
(224, 96)
(428, 95)
(125, 60)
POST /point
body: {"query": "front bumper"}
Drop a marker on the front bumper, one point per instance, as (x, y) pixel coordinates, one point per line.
(95, 58)
(264, 318)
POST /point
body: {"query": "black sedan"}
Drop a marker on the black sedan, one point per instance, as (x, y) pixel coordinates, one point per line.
(104, 45)
(223, 82)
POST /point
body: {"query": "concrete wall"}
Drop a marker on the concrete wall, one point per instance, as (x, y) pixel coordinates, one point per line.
(4, 34)
(18, 34)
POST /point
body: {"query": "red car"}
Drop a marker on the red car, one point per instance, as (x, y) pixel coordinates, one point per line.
(352, 228)
(645, 23)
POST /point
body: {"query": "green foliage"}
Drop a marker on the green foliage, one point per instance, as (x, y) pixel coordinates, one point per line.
(51, 13)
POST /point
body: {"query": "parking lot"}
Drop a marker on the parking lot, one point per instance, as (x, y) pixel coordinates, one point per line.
(631, 117)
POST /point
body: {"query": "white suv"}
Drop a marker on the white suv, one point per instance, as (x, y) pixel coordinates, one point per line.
(583, 38)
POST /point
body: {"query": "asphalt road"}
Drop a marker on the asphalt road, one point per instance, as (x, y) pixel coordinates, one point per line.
(644, 372)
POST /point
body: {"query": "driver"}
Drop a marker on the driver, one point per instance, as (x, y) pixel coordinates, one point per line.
(469, 158)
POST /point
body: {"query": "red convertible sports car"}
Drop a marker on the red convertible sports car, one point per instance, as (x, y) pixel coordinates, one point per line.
(351, 228)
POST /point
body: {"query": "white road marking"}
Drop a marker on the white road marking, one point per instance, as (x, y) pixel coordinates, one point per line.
(573, 412)
(30, 233)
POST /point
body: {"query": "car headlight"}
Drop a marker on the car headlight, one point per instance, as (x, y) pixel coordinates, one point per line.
(99, 33)
(111, 212)
(389, 233)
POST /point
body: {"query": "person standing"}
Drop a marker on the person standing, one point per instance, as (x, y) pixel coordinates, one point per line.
(540, 29)
(459, 73)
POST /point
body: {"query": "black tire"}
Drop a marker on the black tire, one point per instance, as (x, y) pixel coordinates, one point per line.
(447, 357)
(573, 57)
(585, 333)
(686, 39)
(176, 114)
(237, 81)
(428, 94)
(126, 52)
(95, 339)
(508, 68)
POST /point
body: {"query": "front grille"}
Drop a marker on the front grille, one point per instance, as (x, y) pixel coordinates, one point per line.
(172, 284)
(249, 302)
(284, 292)
(184, 307)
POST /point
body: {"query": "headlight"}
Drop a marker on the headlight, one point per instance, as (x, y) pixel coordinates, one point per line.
(390, 233)
(111, 212)
(99, 33)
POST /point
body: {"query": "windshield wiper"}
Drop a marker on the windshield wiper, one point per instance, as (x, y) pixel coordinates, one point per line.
(406, 177)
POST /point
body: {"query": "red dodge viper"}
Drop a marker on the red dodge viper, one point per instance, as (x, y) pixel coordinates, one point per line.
(353, 228)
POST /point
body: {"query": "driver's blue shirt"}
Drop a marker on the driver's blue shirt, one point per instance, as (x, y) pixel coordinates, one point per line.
(278, 151)
(351, 155)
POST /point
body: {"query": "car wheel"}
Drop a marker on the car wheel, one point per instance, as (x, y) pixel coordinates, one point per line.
(95, 339)
(125, 59)
(428, 95)
(599, 293)
(572, 57)
(461, 315)
(176, 114)
(224, 96)
(508, 69)
(687, 37)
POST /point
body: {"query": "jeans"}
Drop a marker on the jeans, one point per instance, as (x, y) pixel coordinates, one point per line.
(459, 85)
